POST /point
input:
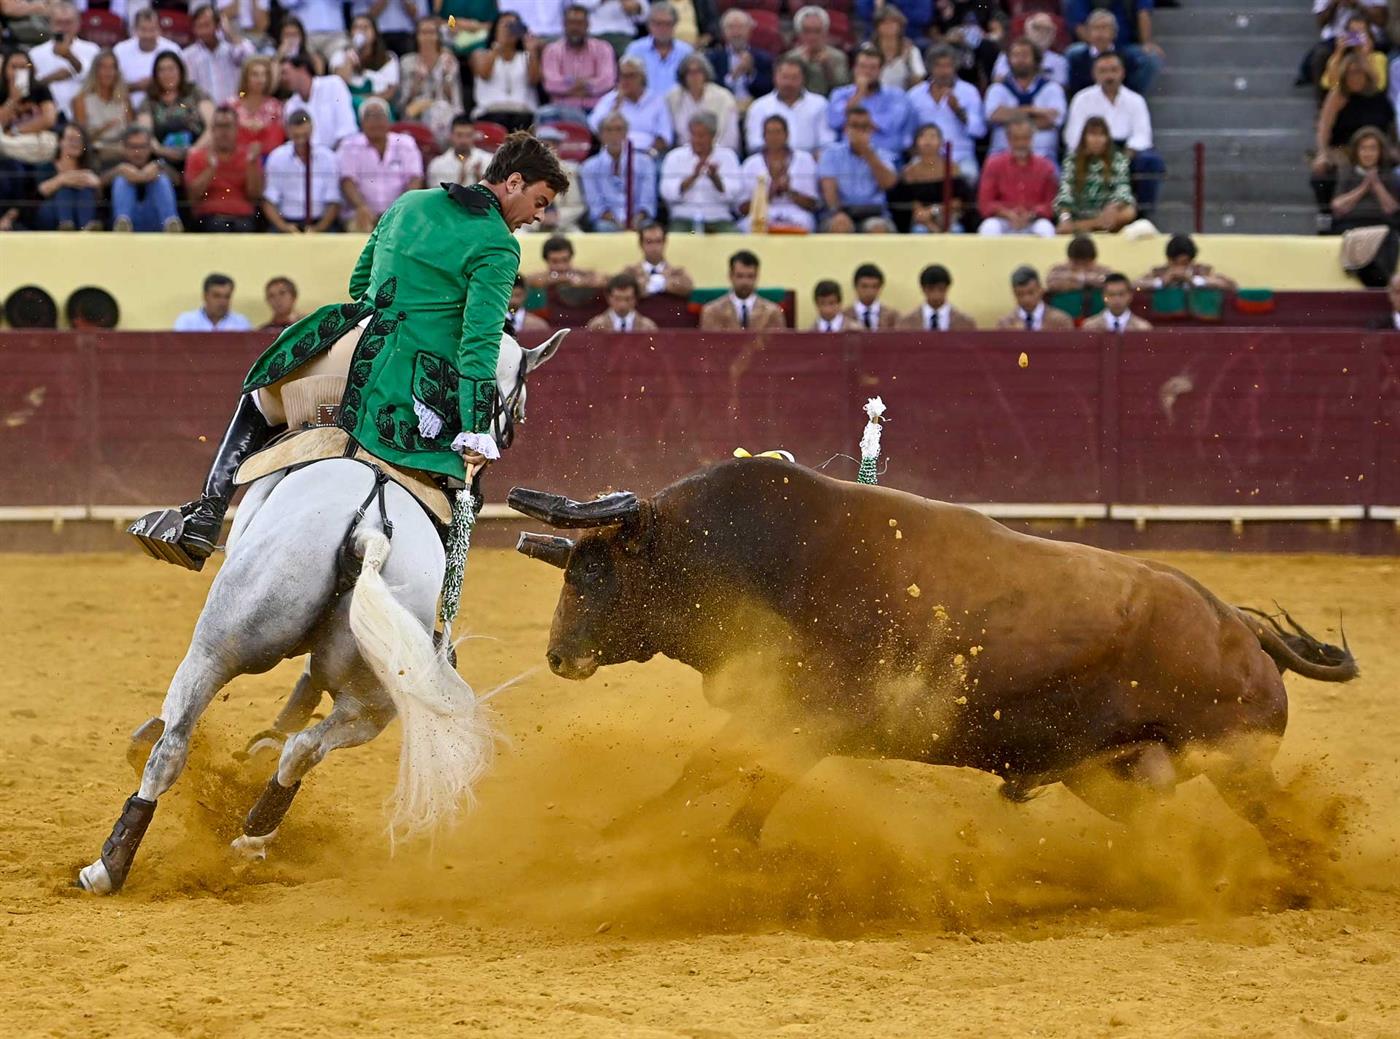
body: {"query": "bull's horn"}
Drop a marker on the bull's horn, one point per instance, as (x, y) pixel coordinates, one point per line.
(558, 511)
(547, 548)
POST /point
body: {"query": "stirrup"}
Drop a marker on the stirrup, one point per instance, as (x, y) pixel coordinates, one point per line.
(160, 535)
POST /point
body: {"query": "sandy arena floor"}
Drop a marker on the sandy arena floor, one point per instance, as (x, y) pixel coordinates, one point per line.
(886, 900)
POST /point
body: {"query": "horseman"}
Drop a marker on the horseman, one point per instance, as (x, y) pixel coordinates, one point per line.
(411, 359)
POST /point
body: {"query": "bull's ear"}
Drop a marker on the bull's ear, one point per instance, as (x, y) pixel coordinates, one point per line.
(542, 353)
(559, 511)
(547, 548)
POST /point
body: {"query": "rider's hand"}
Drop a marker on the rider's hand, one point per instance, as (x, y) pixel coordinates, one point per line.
(474, 462)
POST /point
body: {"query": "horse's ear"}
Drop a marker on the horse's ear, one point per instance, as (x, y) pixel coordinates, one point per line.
(542, 353)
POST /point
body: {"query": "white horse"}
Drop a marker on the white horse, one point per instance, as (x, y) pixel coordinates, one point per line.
(279, 595)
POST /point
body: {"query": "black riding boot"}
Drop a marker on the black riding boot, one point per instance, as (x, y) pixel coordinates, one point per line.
(187, 536)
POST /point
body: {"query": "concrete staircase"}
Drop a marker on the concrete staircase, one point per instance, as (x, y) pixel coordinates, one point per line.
(1228, 83)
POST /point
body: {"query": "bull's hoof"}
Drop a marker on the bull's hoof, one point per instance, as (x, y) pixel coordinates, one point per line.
(143, 741)
(252, 849)
(95, 879)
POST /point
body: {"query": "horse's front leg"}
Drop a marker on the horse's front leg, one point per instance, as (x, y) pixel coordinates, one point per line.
(199, 677)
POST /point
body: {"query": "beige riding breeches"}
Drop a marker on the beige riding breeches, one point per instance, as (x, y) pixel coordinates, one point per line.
(293, 400)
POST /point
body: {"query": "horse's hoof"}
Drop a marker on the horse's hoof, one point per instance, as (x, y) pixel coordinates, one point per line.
(263, 748)
(252, 849)
(95, 879)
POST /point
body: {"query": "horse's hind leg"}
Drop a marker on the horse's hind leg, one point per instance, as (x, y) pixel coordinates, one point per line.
(199, 677)
(352, 721)
(295, 715)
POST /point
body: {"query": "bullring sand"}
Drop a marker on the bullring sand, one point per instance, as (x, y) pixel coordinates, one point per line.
(886, 899)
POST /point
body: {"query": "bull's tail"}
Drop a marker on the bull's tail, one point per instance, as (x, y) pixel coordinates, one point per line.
(447, 736)
(1294, 649)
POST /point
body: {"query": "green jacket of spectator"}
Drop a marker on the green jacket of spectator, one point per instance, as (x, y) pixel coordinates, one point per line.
(434, 280)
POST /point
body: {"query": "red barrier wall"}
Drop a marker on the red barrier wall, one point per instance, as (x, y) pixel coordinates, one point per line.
(1212, 417)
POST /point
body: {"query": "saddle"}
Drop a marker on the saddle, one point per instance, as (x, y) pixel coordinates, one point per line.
(317, 443)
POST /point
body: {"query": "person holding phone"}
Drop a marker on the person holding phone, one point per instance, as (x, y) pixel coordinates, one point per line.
(507, 74)
(1355, 39)
(63, 61)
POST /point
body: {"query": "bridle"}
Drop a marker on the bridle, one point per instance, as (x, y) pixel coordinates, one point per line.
(509, 410)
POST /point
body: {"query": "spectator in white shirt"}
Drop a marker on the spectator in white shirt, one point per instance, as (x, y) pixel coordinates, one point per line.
(615, 21)
(214, 60)
(301, 183)
(802, 110)
(697, 91)
(700, 182)
(253, 17)
(325, 98)
(136, 56)
(215, 315)
(394, 20)
(463, 162)
(367, 65)
(63, 61)
(324, 23)
(507, 74)
(543, 18)
(649, 126)
(790, 179)
(1027, 92)
(1129, 124)
(1040, 29)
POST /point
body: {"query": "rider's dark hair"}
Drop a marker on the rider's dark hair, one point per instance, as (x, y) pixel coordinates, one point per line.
(530, 157)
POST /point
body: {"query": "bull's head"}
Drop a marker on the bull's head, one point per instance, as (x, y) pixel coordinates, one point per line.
(603, 616)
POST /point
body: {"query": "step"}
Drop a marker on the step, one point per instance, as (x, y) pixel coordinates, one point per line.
(1227, 19)
(1230, 183)
(1262, 149)
(1242, 51)
(1233, 113)
(1271, 81)
(1240, 218)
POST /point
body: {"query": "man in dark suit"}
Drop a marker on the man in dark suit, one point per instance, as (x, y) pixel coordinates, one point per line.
(745, 72)
(1100, 33)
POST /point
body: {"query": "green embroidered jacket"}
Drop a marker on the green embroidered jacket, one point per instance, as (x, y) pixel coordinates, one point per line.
(434, 279)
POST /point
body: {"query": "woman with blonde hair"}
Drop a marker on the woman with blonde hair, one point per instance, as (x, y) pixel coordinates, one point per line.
(259, 112)
(696, 91)
(1356, 102)
(430, 81)
(103, 109)
(1095, 192)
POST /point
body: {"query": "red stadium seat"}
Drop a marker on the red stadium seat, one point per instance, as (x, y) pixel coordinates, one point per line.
(844, 6)
(175, 27)
(102, 28)
(1019, 8)
(752, 5)
(489, 135)
(1062, 37)
(578, 139)
(767, 33)
(842, 32)
(423, 137)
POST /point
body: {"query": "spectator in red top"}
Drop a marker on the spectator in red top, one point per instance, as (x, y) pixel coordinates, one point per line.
(259, 113)
(224, 179)
(578, 68)
(1017, 190)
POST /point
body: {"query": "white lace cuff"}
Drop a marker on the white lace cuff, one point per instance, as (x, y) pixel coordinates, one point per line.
(481, 443)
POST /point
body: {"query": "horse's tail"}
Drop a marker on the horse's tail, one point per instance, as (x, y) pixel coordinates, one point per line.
(448, 739)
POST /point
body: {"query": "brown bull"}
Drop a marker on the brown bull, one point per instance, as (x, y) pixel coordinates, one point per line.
(897, 627)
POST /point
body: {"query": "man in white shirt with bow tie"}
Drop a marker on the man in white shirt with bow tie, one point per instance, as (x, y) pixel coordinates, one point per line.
(936, 314)
(1117, 315)
(621, 315)
(827, 297)
(1031, 314)
(867, 312)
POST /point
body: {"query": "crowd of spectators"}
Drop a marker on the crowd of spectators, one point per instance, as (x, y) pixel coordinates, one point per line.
(1355, 68)
(302, 116)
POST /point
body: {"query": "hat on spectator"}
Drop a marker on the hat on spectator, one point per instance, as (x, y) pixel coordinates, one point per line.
(91, 307)
(31, 307)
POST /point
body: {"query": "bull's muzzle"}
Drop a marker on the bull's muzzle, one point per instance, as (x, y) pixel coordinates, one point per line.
(575, 668)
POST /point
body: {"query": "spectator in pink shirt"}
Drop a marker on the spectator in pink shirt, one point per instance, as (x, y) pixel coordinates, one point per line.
(1017, 191)
(578, 68)
(376, 166)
